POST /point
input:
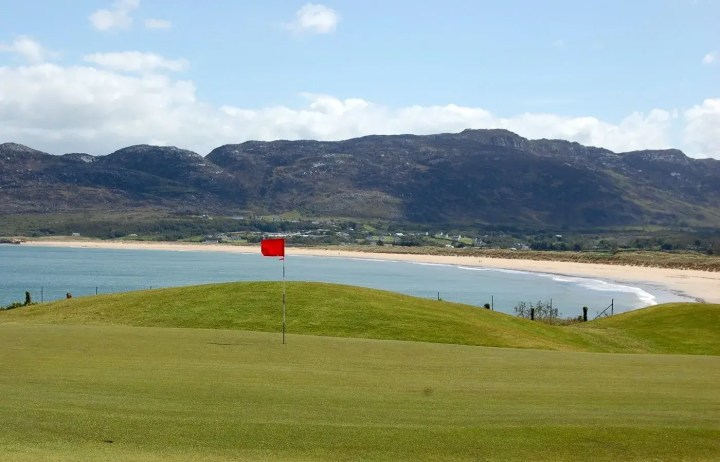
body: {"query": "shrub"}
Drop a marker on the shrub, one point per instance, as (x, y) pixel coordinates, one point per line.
(543, 310)
(13, 306)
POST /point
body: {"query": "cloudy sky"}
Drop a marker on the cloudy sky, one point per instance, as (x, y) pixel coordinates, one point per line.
(97, 75)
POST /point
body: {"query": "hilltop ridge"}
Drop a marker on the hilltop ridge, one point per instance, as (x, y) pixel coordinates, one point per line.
(471, 177)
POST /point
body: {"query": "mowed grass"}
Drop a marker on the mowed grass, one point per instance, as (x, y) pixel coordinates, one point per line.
(686, 328)
(79, 392)
(179, 374)
(346, 311)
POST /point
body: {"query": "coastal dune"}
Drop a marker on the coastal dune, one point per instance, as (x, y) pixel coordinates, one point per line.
(701, 285)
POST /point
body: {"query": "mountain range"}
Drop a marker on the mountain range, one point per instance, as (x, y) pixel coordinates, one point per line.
(476, 177)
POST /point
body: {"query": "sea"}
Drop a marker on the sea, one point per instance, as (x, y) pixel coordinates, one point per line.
(50, 273)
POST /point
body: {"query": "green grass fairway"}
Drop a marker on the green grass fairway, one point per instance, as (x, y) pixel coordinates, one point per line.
(199, 373)
(346, 311)
(105, 393)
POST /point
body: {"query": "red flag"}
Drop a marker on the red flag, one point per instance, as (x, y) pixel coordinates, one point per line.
(273, 247)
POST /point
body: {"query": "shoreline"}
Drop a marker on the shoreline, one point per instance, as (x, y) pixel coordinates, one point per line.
(699, 285)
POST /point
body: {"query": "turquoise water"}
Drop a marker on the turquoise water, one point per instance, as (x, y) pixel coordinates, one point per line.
(49, 273)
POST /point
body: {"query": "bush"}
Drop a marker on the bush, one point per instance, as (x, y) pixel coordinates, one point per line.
(543, 310)
(13, 306)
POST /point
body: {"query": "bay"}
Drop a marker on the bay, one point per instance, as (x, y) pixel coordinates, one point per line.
(49, 273)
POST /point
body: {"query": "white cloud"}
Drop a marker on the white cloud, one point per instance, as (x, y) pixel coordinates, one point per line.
(82, 108)
(135, 61)
(315, 19)
(634, 132)
(86, 109)
(157, 24)
(116, 18)
(27, 48)
(702, 129)
(711, 57)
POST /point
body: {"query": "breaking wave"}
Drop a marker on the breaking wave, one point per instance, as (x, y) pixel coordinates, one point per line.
(645, 298)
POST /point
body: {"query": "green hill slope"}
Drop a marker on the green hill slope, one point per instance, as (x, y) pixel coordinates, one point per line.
(688, 328)
(346, 311)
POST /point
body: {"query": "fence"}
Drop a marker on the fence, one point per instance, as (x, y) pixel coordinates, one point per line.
(51, 293)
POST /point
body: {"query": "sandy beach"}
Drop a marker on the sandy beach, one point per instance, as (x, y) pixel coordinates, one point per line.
(702, 285)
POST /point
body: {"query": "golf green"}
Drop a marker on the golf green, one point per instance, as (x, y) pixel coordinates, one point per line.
(156, 394)
(200, 373)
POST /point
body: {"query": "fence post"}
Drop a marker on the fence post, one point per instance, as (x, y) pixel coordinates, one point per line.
(585, 308)
(532, 314)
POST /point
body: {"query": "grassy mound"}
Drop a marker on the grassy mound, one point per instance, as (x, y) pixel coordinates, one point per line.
(313, 309)
(79, 384)
(686, 328)
(347, 311)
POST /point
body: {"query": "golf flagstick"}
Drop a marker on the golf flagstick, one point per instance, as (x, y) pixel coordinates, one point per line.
(283, 308)
(276, 248)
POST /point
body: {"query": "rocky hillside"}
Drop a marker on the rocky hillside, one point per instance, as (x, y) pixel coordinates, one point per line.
(473, 177)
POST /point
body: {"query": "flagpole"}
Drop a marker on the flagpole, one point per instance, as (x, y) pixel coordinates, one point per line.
(283, 313)
(276, 248)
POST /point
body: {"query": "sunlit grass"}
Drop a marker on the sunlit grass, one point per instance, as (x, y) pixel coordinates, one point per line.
(347, 311)
(178, 374)
(159, 394)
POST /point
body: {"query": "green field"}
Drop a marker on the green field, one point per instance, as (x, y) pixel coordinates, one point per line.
(178, 374)
(347, 311)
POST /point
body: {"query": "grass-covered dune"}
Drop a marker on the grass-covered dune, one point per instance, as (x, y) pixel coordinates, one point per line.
(177, 374)
(346, 311)
(688, 328)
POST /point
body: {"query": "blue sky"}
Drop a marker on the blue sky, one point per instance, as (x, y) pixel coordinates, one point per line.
(95, 76)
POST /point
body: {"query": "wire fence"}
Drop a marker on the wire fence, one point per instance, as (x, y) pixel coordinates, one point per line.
(52, 293)
(503, 304)
(507, 305)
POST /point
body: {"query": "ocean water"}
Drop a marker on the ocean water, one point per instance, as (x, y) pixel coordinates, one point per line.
(48, 273)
